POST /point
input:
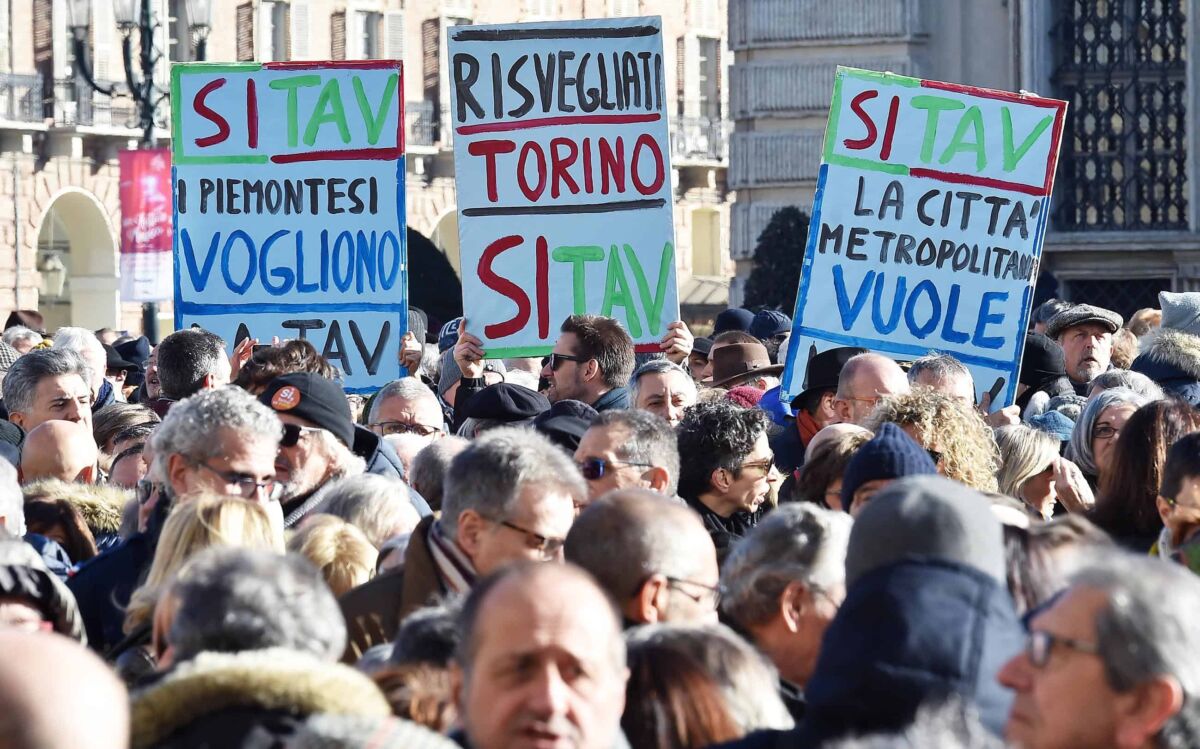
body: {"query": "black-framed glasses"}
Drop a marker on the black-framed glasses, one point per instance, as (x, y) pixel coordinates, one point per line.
(293, 432)
(556, 360)
(712, 591)
(595, 468)
(385, 428)
(248, 486)
(1040, 645)
(547, 546)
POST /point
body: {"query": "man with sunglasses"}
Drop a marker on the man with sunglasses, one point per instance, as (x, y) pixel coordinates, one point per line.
(509, 496)
(624, 449)
(591, 362)
(1113, 663)
(219, 441)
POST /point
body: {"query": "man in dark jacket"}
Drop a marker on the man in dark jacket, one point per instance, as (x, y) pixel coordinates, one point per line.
(510, 495)
(927, 616)
(1171, 355)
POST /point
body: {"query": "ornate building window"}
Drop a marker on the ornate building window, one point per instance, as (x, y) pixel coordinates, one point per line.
(1122, 66)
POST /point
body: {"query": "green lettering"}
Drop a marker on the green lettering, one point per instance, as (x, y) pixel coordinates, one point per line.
(291, 85)
(328, 109)
(578, 256)
(1012, 156)
(618, 293)
(973, 119)
(652, 307)
(933, 106)
(374, 120)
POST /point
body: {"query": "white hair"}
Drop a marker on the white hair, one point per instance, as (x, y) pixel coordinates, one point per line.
(18, 333)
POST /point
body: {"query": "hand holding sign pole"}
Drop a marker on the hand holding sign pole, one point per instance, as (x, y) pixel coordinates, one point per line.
(928, 223)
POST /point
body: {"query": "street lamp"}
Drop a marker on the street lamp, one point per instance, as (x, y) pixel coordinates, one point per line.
(136, 16)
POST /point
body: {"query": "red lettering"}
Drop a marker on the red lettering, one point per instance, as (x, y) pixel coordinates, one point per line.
(502, 285)
(872, 131)
(488, 149)
(893, 112)
(204, 111)
(588, 186)
(542, 286)
(522, 175)
(251, 114)
(646, 141)
(559, 164)
(612, 165)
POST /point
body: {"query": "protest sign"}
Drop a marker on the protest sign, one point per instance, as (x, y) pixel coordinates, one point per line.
(145, 194)
(927, 227)
(289, 208)
(562, 159)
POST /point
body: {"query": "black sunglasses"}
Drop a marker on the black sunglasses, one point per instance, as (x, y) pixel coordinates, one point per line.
(595, 468)
(556, 360)
(292, 434)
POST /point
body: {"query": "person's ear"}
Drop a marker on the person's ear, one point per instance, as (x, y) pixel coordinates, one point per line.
(470, 528)
(657, 478)
(1164, 508)
(591, 370)
(826, 410)
(177, 473)
(842, 408)
(209, 381)
(721, 480)
(792, 601)
(650, 602)
(457, 685)
(1142, 711)
(17, 418)
(86, 476)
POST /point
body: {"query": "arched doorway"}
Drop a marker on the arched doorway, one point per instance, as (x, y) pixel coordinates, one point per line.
(445, 237)
(77, 261)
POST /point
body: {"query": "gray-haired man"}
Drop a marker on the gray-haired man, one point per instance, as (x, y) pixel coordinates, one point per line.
(48, 384)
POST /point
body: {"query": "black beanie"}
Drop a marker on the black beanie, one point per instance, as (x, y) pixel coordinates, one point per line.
(1042, 361)
(313, 398)
(892, 454)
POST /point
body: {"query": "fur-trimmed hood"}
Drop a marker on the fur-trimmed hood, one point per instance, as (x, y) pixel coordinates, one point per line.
(100, 505)
(273, 679)
(1168, 355)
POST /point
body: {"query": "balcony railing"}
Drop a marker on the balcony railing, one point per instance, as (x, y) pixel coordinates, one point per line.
(21, 98)
(76, 104)
(422, 125)
(699, 139)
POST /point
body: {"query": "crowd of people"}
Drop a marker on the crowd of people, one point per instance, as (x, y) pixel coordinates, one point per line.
(601, 548)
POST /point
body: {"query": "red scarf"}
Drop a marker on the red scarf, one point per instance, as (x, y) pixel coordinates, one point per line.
(807, 425)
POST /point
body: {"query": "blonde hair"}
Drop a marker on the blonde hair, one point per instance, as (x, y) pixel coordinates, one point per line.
(342, 552)
(969, 452)
(1024, 453)
(193, 526)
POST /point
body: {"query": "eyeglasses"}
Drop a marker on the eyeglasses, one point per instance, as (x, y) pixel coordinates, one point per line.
(760, 465)
(546, 546)
(384, 428)
(1104, 432)
(293, 432)
(714, 592)
(248, 487)
(935, 456)
(556, 360)
(594, 469)
(1040, 645)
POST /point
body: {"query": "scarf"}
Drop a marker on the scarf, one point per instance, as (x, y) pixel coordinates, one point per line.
(453, 566)
(807, 426)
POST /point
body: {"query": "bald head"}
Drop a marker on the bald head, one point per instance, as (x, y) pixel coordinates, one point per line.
(863, 381)
(829, 433)
(62, 450)
(58, 695)
(638, 544)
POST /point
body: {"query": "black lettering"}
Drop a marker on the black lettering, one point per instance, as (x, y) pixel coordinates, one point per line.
(370, 358)
(545, 78)
(515, 83)
(466, 73)
(828, 233)
(335, 348)
(858, 238)
(303, 326)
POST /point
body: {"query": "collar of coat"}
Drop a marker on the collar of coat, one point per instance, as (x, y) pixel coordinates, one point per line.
(1173, 348)
(272, 679)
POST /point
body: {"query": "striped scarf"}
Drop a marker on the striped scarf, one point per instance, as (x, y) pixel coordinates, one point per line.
(455, 569)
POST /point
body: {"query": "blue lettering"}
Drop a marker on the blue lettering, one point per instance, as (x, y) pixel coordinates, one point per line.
(199, 276)
(987, 317)
(948, 331)
(324, 260)
(897, 304)
(387, 280)
(238, 288)
(849, 311)
(283, 273)
(345, 239)
(921, 331)
(365, 265)
(302, 287)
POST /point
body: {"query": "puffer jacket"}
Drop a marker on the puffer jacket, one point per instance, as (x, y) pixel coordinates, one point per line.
(1172, 359)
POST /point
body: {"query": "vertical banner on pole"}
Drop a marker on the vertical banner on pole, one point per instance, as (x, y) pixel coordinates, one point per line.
(289, 207)
(927, 229)
(562, 159)
(145, 194)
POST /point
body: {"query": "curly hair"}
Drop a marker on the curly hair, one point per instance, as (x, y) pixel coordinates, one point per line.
(275, 361)
(969, 452)
(715, 435)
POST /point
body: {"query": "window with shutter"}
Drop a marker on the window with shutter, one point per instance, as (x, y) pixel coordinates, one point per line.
(709, 83)
(299, 31)
(245, 31)
(337, 35)
(431, 36)
(43, 53)
(393, 34)
(680, 72)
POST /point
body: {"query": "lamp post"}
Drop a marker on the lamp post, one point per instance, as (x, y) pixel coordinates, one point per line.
(137, 17)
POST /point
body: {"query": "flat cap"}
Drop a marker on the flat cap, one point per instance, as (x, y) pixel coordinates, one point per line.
(1081, 313)
(506, 401)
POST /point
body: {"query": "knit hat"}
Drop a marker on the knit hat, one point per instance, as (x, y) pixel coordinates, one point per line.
(315, 399)
(746, 396)
(450, 373)
(1042, 361)
(1180, 311)
(930, 518)
(1080, 314)
(565, 423)
(891, 454)
(505, 401)
(769, 323)
(418, 324)
(734, 318)
(448, 335)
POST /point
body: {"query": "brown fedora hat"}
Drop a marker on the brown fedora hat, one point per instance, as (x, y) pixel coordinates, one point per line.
(737, 361)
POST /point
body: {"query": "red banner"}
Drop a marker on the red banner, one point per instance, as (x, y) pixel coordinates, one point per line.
(145, 225)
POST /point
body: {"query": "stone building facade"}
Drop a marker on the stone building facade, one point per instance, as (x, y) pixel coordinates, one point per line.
(59, 141)
(1126, 222)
